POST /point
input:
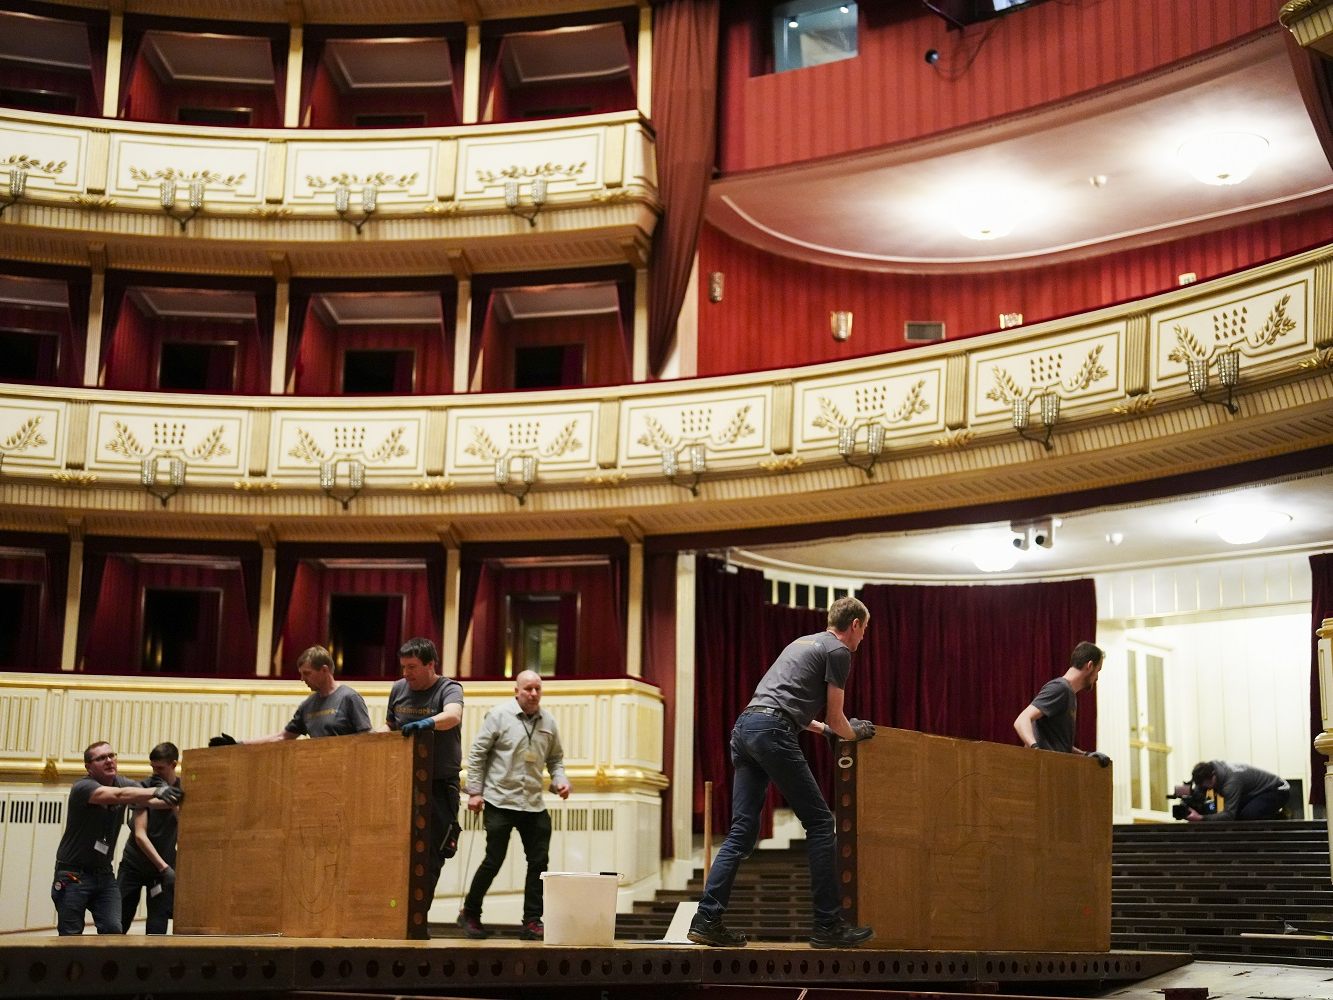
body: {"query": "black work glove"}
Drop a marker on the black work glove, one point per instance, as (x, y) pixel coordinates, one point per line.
(417, 726)
(169, 794)
(833, 738)
(167, 876)
(1099, 757)
(863, 728)
(222, 740)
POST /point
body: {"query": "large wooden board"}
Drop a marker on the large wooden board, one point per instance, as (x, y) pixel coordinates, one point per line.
(953, 844)
(308, 838)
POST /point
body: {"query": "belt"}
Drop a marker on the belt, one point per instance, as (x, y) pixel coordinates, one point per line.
(766, 710)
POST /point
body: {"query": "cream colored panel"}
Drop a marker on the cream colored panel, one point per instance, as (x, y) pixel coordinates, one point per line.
(906, 401)
(388, 441)
(731, 424)
(561, 437)
(210, 441)
(570, 160)
(640, 159)
(402, 171)
(1264, 324)
(637, 733)
(31, 433)
(134, 722)
(1083, 366)
(233, 170)
(22, 724)
(56, 158)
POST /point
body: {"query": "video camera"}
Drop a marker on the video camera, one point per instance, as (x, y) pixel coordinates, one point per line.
(1191, 797)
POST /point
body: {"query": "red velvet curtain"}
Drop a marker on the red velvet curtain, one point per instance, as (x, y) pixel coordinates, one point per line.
(42, 560)
(1321, 607)
(70, 326)
(659, 665)
(685, 34)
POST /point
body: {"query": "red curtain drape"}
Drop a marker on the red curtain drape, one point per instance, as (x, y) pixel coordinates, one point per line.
(685, 36)
(1321, 607)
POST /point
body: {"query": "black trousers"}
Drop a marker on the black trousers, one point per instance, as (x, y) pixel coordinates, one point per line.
(534, 830)
(443, 814)
(130, 880)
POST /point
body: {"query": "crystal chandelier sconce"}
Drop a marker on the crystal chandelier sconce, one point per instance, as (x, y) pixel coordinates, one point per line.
(1228, 373)
(163, 487)
(167, 195)
(18, 183)
(342, 204)
(527, 474)
(342, 479)
(1049, 408)
(874, 447)
(697, 454)
(536, 195)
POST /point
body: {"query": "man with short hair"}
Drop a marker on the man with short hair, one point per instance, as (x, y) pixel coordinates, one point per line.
(1049, 723)
(84, 881)
(150, 853)
(1247, 792)
(419, 701)
(504, 776)
(807, 679)
(331, 709)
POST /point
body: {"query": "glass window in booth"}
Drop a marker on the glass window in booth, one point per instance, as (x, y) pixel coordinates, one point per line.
(534, 638)
(810, 33)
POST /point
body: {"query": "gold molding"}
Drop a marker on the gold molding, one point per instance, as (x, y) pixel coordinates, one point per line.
(249, 485)
(608, 479)
(784, 463)
(1322, 358)
(959, 438)
(433, 484)
(1136, 407)
(82, 479)
(92, 202)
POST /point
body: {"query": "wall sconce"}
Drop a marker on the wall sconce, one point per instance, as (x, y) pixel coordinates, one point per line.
(840, 323)
(1050, 415)
(342, 200)
(874, 446)
(1010, 320)
(167, 192)
(355, 479)
(18, 183)
(537, 196)
(527, 471)
(150, 467)
(698, 456)
(1228, 373)
(716, 285)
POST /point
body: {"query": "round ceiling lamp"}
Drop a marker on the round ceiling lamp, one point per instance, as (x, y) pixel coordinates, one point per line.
(1243, 525)
(990, 554)
(1222, 158)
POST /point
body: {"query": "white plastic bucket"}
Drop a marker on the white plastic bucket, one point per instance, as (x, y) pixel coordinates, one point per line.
(579, 908)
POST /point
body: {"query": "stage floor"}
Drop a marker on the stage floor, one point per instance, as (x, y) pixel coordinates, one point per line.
(42, 965)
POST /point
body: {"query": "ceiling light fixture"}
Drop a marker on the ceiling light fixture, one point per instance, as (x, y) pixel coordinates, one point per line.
(1222, 158)
(989, 553)
(1243, 525)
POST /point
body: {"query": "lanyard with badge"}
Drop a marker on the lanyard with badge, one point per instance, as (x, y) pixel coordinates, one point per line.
(530, 755)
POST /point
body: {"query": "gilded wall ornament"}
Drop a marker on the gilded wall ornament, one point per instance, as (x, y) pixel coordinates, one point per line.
(1321, 358)
(516, 172)
(27, 436)
(1230, 331)
(1136, 407)
(348, 440)
(433, 484)
(266, 212)
(606, 480)
(1046, 371)
(955, 439)
(173, 174)
(783, 463)
(379, 179)
(696, 425)
(82, 479)
(524, 439)
(92, 202)
(871, 403)
(248, 485)
(24, 162)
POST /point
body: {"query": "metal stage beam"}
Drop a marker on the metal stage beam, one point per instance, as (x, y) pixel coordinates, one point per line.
(32, 966)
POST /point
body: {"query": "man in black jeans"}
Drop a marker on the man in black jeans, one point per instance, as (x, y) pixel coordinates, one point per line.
(806, 680)
(1247, 791)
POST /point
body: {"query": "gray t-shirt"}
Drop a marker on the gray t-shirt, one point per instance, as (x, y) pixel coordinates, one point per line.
(1059, 715)
(87, 825)
(161, 834)
(797, 682)
(341, 713)
(1238, 783)
(406, 705)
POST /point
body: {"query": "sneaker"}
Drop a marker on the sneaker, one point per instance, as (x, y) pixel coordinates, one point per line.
(716, 934)
(472, 926)
(532, 930)
(840, 934)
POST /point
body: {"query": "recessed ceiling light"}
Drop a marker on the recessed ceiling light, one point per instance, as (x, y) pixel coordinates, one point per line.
(989, 553)
(1243, 525)
(1222, 158)
(1115, 537)
(1099, 180)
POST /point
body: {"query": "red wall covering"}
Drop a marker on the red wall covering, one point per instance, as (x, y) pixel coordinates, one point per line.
(319, 365)
(147, 98)
(775, 312)
(134, 351)
(328, 108)
(604, 357)
(888, 93)
(76, 84)
(308, 617)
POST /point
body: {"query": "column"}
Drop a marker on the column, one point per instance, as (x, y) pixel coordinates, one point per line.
(73, 596)
(634, 613)
(1324, 741)
(644, 87)
(639, 361)
(291, 109)
(282, 300)
(472, 75)
(115, 42)
(682, 789)
(268, 582)
(463, 336)
(449, 634)
(92, 340)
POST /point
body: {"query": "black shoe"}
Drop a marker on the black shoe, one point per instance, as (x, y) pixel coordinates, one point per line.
(716, 934)
(471, 924)
(532, 930)
(840, 934)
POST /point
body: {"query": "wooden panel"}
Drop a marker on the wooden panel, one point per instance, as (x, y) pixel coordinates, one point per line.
(312, 838)
(969, 845)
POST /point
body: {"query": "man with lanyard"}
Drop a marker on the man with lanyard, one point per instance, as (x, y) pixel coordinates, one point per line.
(807, 679)
(331, 709)
(1049, 723)
(422, 700)
(150, 854)
(504, 774)
(96, 811)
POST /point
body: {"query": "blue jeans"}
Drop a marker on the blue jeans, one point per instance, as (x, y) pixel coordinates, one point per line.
(76, 892)
(764, 750)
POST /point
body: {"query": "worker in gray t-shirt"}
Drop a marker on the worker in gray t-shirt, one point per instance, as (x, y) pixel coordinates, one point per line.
(1049, 722)
(806, 680)
(1247, 792)
(332, 709)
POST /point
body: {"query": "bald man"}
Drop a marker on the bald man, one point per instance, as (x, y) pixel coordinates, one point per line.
(504, 775)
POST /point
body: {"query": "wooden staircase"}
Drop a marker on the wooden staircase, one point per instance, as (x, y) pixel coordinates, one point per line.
(1176, 887)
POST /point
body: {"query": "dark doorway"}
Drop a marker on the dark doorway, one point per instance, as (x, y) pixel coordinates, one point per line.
(20, 614)
(365, 632)
(181, 629)
(28, 356)
(197, 366)
(548, 367)
(541, 634)
(378, 371)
